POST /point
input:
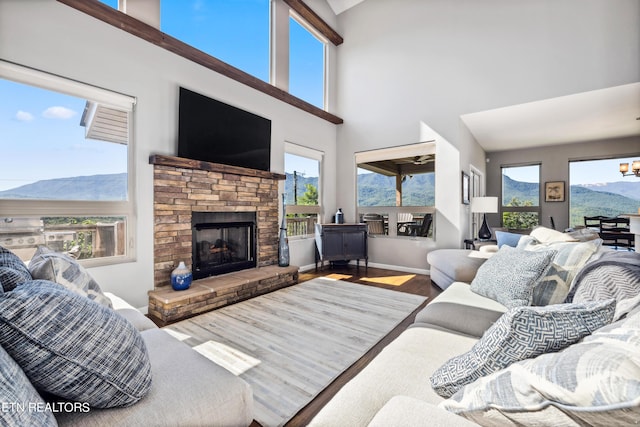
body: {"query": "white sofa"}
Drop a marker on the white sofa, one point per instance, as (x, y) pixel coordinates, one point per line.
(395, 389)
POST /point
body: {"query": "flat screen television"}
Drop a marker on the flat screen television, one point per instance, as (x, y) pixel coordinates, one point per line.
(216, 132)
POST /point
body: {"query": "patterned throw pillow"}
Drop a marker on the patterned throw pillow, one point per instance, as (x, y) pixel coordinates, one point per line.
(510, 275)
(569, 259)
(519, 334)
(613, 275)
(66, 271)
(593, 382)
(20, 401)
(72, 347)
(12, 270)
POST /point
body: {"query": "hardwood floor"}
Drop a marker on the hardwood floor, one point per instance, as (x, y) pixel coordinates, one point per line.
(418, 284)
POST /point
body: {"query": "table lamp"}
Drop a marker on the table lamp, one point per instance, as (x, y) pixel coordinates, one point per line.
(484, 205)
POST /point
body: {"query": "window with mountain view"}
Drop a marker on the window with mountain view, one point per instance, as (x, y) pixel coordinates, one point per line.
(64, 168)
(598, 189)
(520, 197)
(302, 185)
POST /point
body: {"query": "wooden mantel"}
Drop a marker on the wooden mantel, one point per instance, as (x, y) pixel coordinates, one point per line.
(180, 162)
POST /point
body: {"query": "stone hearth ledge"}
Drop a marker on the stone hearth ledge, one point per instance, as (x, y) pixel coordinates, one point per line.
(168, 306)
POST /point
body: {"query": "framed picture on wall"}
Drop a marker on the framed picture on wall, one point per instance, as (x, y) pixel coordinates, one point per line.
(465, 189)
(554, 191)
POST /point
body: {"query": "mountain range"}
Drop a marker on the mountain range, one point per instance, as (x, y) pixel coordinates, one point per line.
(610, 199)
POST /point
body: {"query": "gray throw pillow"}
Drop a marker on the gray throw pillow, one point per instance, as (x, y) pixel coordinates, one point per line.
(21, 403)
(510, 275)
(522, 333)
(66, 271)
(593, 382)
(72, 347)
(12, 270)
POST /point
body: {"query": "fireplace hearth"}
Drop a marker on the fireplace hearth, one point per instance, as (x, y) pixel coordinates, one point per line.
(223, 242)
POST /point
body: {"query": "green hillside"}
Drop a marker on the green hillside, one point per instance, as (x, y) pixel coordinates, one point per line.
(585, 202)
(109, 187)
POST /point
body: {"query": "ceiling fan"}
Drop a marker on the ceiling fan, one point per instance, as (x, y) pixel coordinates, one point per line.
(421, 160)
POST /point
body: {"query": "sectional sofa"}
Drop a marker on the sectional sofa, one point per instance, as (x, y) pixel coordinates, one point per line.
(546, 333)
(72, 355)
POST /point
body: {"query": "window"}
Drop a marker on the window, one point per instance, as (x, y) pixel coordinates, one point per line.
(302, 189)
(396, 187)
(236, 32)
(64, 173)
(520, 196)
(306, 63)
(598, 189)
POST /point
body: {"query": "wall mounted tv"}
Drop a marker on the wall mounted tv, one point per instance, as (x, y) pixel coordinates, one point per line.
(216, 132)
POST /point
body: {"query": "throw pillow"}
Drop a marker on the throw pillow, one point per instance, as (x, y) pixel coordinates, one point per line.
(66, 271)
(12, 270)
(506, 238)
(21, 404)
(613, 275)
(510, 275)
(593, 382)
(72, 347)
(547, 235)
(519, 334)
(569, 259)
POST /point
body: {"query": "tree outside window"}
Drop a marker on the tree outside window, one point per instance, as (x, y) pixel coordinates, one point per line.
(521, 197)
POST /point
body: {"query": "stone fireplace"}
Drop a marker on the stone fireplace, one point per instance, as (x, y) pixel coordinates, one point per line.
(221, 199)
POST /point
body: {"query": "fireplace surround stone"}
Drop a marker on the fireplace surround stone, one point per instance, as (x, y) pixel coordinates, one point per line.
(184, 186)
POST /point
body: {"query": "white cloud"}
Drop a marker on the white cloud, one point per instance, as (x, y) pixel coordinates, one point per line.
(24, 116)
(58, 113)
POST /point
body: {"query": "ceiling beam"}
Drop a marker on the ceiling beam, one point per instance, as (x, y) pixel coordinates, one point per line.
(315, 21)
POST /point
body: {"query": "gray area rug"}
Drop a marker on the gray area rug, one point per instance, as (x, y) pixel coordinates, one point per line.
(290, 344)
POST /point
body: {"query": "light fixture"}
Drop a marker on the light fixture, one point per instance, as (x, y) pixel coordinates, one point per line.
(484, 205)
(635, 169)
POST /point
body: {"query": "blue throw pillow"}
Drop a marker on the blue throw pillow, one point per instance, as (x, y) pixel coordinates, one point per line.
(506, 238)
(73, 347)
(12, 270)
(21, 403)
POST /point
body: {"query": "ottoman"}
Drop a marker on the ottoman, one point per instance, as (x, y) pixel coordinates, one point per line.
(454, 265)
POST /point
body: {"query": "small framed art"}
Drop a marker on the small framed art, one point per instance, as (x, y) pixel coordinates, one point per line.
(465, 189)
(554, 191)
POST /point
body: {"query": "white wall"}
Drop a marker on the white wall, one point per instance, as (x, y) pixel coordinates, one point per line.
(52, 37)
(406, 62)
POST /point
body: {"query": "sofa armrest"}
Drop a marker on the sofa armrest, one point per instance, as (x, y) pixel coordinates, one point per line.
(129, 312)
(402, 411)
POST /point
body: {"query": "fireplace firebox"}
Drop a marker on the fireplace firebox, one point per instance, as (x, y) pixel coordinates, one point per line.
(223, 242)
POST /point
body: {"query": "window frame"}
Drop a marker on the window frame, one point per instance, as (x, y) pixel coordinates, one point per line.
(537, 209)
(74, 208)
(312, 154)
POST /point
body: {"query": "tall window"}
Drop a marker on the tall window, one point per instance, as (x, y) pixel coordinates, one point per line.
(302, 188)
(520, 196)
(236, 32)
(598, 189)
(306, 63)
(64, 172)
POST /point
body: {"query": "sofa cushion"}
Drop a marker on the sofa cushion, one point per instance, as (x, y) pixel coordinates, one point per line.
(613, 275)
(569, 259)
(12, 270)
(593, 382)
(20, 402)
(188, 390)
(66, 271)
(522, 333)
(73, 347)
(403, 411)
(457, 265)
(510, 275)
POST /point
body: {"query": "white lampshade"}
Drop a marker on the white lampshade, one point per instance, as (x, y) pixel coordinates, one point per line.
(484, 204)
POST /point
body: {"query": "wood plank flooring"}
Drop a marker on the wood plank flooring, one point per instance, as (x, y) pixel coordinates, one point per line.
(400, 281)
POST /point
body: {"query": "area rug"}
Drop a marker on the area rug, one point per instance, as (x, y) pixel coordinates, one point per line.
(292, 343)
